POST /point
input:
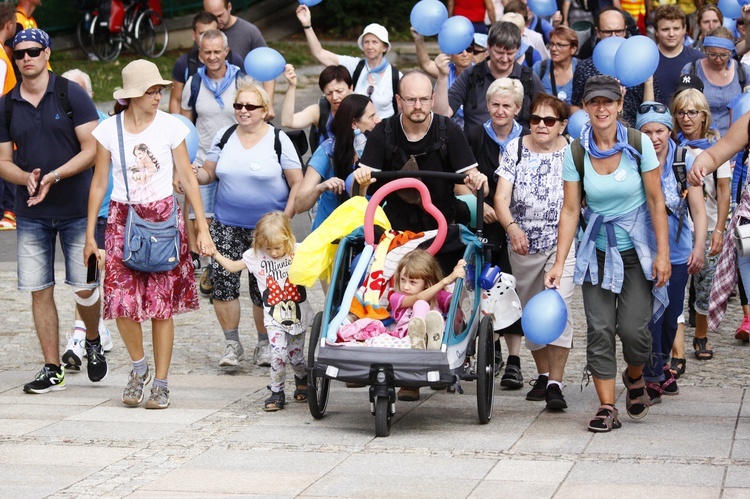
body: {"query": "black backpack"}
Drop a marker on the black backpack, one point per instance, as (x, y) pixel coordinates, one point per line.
(61, 92)
(320, 129)
(296, 136)
(394, 81)
(441, 145)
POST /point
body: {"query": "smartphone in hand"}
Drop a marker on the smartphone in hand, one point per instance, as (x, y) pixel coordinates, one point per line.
(92, 269)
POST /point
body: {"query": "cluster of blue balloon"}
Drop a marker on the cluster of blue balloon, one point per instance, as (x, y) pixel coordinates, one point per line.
(191, 141)
(430, 17)
(632, 61)
(543, 8)
(544, 317)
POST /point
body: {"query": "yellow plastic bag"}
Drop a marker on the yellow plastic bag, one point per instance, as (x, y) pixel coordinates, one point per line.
(315, 255)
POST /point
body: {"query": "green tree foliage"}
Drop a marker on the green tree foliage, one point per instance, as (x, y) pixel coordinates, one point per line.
(347, 18)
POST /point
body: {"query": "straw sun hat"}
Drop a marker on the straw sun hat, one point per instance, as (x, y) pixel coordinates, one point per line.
(137, 77)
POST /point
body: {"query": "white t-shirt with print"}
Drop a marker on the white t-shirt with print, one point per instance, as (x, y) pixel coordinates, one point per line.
(148, 157)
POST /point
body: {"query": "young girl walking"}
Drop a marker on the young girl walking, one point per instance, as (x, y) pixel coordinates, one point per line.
(287, 312)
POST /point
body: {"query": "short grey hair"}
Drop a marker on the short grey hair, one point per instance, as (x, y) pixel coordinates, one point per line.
(81, 78)
(212, 34)
(505, 35)
(507, 86)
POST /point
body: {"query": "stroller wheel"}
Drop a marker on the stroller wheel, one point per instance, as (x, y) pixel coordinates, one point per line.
(485, 371)
(318, 387)
(382, 417)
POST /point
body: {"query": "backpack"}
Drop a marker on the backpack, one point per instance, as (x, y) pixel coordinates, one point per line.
(526, 79)
(296, 136)
(195, 88)
(394, 81)
(61, 92)
(543, 67)
(441, 145)
(679, 168)
(529, 57)
(578, 152)
(741, 76)
(320, 129)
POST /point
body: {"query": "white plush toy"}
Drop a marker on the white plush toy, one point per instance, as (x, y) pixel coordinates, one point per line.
(501, 302)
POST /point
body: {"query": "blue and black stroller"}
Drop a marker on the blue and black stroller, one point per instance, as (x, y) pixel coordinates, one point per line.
(468, 332)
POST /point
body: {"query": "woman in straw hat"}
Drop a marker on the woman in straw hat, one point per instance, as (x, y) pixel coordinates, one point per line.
(132, 297)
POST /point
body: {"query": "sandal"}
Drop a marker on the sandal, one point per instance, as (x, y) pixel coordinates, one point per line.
(669, 385)
(637, 400)
(701, 352)
(677, 366)
(275, 402)
(300, 392)
(605, 420)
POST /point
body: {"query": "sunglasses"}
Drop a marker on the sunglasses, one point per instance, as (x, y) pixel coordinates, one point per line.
(740, 22)
(658, 108)
(548, 120)
(477, 51)
(247, 107)
(21, 53)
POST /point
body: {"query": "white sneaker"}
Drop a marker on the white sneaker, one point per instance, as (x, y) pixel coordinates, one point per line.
(233, 354)
(263, 355)
(106, 338)
(74, 352)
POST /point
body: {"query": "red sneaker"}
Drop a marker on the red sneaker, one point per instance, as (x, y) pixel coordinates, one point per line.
(743, 332)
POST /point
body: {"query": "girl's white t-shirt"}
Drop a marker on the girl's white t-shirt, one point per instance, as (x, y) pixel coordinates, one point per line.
(148, 157)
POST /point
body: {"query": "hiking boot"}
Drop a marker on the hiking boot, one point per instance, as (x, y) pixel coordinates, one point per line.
(133, 393)
(555, 399)
(47, 380)
(743, 332)
(539, 390)
(512, 377)
(262, 355)
(74, 352)
(233, 354)
(159, 398)
(97, 363)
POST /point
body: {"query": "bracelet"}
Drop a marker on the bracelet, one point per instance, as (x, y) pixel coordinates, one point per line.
(720, 231)
(511, 223)
(57, 176)
(307, 27)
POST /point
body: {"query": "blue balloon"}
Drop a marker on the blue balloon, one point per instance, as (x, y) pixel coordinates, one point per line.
(455, 36)
(730, 8)
(604, 55)
(730, 24)
(191, 141)
(543, 8)
(544, 317)
(636, 60)
(740, 106)
(264, 64)
(576, 122)
(428, 16)
(310, 3)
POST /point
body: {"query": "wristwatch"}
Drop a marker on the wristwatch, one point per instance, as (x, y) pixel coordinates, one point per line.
(57, 176)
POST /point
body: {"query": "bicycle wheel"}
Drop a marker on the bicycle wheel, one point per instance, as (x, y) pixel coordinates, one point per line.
(151, 35)
(106, 45)
(83, 34)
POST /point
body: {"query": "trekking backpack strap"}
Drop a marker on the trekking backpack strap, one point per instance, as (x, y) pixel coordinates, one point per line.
(679, 168)
(325, 111)
(475, 74)
(224, 138)
(195, 88)
(358, 71)
(277, 143)
(389, 142)
(394, 87)
(529, 56)
(578, 153)
(635, 139)
(442, 139)
(9, 107)
(691, 69)
(742, 76)
(528, 91)
(476, 139)
(524, 133)
(61, 92)
(193, 63)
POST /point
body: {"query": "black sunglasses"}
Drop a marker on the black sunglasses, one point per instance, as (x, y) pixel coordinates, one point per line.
(21, 53)
(248, 107)
(658, 108)
(548, 120)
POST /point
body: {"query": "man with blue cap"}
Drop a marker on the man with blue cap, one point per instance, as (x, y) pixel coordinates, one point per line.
(50, 120)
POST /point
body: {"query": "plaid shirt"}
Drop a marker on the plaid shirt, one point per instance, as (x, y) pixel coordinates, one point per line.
(725, 278)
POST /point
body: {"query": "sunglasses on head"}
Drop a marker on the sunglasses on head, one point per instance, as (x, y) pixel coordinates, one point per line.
(658, 108)
(548, 120)
(248, 107)
(21, 53)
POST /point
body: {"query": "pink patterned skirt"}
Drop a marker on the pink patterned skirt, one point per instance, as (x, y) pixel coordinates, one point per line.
(141, 296)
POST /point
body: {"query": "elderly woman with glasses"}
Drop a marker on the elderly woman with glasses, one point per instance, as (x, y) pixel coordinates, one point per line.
(692, 129)
(258, 171)
(723, 77)
(528, 202)
(686, 248)
(622, 261)
(557, 72)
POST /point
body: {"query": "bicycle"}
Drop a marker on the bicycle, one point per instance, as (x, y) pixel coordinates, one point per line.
(137, 25)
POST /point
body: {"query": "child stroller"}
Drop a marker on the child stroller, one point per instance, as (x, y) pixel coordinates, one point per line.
(468, 331)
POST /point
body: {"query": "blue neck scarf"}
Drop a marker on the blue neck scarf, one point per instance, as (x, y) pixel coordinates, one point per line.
(700, 143)
(587, 141)
(219, 88)
(514, 132)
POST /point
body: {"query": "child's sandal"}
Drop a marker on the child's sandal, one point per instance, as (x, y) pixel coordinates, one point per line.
(275, 402)
(605, 420)
(300, 392)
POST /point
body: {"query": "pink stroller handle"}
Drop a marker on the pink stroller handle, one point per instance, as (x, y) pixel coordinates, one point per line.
(406, 183)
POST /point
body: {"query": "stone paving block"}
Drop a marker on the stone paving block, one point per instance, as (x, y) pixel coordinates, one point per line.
(18, 427)
(737, 477)
(178, 415)
(74, 455)
(525, 470)
(618, 474)
(211, 481)
(389, 465)
(46, 411)
(736, 493)
(581, 491)
(552, 444)
(741, 449)
(514, 489)
(444, 440)
(261, 459)
(427, 485)
(108, 430)
(260, 435)
(39, 479)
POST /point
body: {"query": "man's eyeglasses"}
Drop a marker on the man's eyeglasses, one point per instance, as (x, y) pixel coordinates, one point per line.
(554, 45)
(714, 55)
(611, 32)
(413, 100)
(21, 53)
(658, 108)
(692, 113)
(248, 107)
(153, 93)
(548, 120)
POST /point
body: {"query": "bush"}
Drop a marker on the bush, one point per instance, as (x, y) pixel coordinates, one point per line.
(347, 18)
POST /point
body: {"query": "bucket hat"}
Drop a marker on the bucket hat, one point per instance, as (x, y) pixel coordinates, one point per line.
(137, 77)
(377, 30)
